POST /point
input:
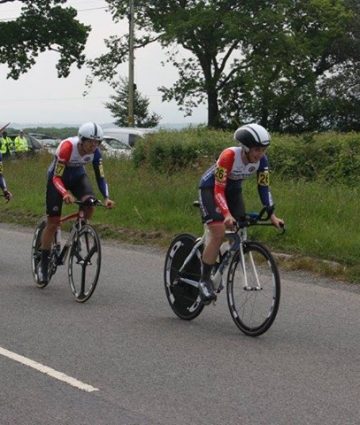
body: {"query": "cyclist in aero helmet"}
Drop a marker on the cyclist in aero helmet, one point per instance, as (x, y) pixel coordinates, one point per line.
(220, 194)
(68, 181)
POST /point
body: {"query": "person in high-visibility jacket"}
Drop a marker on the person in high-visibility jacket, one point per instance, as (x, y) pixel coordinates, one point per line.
(21, 144)
(5, 143)
(11, 145)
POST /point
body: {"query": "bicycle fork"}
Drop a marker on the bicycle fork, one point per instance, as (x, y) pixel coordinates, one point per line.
(247, 287)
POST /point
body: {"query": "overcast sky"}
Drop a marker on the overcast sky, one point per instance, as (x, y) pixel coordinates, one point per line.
(40, 97)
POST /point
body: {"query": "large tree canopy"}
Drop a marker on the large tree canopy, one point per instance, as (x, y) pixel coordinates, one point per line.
(248, 60)
(303, 73)
(42, 25)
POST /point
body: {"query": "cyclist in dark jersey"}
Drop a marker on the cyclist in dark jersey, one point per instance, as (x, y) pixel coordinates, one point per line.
(220, 194)
(3, 187)
(68, 181)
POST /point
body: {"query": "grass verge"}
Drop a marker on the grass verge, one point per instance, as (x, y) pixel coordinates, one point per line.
(151, 207)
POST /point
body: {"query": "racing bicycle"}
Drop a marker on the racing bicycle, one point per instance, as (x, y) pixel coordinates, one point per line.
(246, 268)
(82, 247)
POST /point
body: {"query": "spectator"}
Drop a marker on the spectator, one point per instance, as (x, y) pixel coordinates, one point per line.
(5, 144)
(21, 144)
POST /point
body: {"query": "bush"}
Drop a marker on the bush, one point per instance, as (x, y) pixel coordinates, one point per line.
(170, 151)
(328, 157)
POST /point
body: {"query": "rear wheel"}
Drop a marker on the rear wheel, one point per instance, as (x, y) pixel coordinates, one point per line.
(254, 306)
(183, 297)
(84, 263)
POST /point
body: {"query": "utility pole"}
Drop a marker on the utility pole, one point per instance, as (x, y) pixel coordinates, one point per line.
(131, 65)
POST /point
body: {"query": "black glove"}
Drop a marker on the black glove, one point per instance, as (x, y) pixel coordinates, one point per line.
(7, 195)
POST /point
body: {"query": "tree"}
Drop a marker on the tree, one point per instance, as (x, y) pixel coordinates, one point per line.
(209, 30)
(119, 107)
(43, 25)
(247, 60)
(304, 63)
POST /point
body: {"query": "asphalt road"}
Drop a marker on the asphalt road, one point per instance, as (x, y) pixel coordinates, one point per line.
(145, 366)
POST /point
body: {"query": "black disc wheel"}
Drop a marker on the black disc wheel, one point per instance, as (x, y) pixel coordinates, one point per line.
(253, 289)
(183, 296)
(84, 263)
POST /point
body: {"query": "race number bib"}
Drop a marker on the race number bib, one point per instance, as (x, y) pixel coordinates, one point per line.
(101, 170)
(263, 178)
(220, 174)
(59, 170)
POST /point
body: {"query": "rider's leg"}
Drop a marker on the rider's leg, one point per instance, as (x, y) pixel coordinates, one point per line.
(53, 210)
(214, 239)
(49, 232)
(47, 238)
(83, 190)
(216, 231)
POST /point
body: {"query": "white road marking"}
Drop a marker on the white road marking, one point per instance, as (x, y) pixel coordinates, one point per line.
(47, 370)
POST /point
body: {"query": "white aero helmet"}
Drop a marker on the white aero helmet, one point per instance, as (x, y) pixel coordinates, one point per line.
(252, 135)
(92, 131)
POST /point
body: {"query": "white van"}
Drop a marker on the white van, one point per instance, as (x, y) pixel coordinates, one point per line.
(128, 135)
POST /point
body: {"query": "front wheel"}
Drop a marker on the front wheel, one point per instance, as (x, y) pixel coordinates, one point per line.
(183, 298)
(84, 263)
(253, 291)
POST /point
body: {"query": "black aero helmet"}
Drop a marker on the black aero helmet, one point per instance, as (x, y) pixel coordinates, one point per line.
(252, 135)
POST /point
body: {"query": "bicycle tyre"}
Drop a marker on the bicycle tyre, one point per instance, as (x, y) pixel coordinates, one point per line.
(36, 252)
(253, 310)
(183, 298)
(84, 263)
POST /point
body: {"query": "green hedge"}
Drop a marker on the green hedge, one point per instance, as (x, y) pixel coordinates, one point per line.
(170, 151)
(330, 157)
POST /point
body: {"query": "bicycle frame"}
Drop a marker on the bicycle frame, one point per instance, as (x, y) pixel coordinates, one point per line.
(238, 238)
(79, 217)
(225, 260)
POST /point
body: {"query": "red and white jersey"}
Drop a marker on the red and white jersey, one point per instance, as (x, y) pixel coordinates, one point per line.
(68, 152)
(232, 161)
(229, 172)
(68, 165)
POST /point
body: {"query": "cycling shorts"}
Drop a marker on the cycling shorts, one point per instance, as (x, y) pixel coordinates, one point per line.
(210, 212)
(80, 187)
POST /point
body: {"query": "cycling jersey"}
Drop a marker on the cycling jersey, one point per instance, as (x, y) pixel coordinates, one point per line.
(68, 166)
(227, 174)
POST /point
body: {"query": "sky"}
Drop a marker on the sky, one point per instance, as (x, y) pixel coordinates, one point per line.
(40, 97)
